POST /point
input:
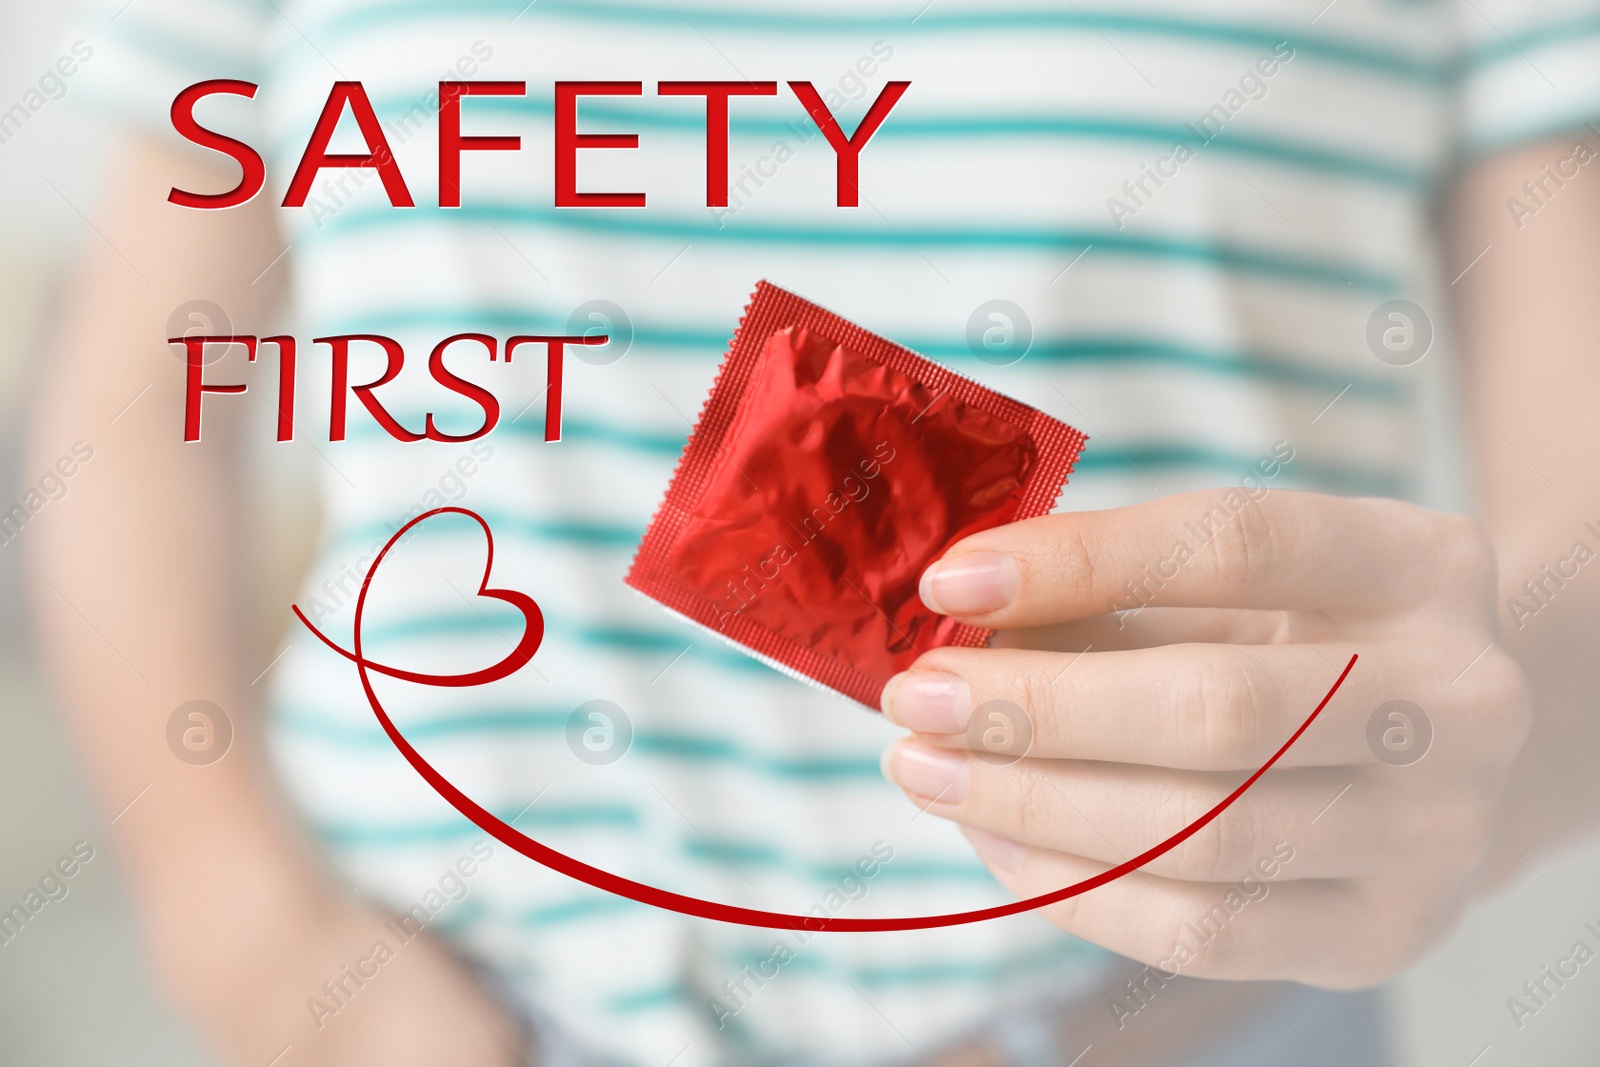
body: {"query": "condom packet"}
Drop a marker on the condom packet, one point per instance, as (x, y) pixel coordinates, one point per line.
(828, 469)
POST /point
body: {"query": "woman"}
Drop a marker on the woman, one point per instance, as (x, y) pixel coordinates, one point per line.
(1211, 234)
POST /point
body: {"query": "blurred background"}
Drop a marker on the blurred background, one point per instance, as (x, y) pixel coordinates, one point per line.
(72, 986)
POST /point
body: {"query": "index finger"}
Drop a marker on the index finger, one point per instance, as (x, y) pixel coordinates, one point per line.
(1213, 548)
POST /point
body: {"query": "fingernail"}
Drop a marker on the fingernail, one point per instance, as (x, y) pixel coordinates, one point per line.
(970, 584)
(929, 702)
(929, 772)
(996, 851)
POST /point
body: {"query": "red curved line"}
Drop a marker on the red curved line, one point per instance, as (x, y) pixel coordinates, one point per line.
(728, 913)
(515, 660)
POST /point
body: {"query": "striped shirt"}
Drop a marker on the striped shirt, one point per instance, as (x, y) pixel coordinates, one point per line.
(1197, 209)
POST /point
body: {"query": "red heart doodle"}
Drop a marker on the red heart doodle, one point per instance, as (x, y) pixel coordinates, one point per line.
(515, 660)
(662, 898)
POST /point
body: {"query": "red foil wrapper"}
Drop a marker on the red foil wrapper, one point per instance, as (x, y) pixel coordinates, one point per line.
(829, 468)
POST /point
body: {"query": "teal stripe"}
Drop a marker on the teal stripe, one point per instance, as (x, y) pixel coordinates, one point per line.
(680, 746)
(615, 536)
(761, 854)
(599, 535)
(1026, 964)
(618, 638)
(1579, 124)
(1268, 148)
(574, 910)
(668, 443)
(1322, 475)
(693, 748)
(735, 852)
(1363, 56)
(796, 128)
(1221, 255)
(364, 732)
(540, 816)
(1127, 459)
(1282, 368)
(712, 853)
(573, 428)
(607, 906)
(674, 996)
(196, 58)
(645, 1000)
(1064, 949)
(452, 921)
(1553, 34)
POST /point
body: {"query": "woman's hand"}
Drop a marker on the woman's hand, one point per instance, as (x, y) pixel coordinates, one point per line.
(1341, 864)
